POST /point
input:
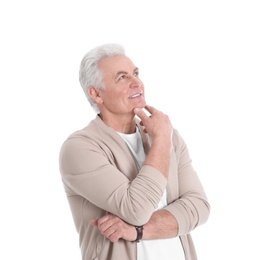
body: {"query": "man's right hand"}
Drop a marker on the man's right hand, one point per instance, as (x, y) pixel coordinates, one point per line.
(157, 125)
(159, 128)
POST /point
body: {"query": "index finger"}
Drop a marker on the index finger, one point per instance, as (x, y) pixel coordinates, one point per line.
(150, 109)
(140, 113)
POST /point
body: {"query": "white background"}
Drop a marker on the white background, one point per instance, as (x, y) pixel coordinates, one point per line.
(201, 63)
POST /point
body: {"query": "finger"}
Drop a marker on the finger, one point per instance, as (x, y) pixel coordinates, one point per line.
(94, 222)
(106, 222)
(150, 109)
(102, 219)
(115, 236)
(140, 113)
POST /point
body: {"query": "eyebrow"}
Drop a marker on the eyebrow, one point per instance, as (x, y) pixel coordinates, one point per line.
(124, 72)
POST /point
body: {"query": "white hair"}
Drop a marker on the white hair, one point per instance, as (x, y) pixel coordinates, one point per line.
(89, 74)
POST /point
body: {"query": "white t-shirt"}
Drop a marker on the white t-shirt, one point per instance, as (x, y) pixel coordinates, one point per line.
(164, 249)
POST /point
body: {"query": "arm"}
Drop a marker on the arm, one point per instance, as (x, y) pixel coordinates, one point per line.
(160, 130)
(96, 165)
(182, 215)
(161, 225)
(191, 208)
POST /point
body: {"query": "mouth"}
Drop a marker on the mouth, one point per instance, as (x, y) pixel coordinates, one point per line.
(136, 95)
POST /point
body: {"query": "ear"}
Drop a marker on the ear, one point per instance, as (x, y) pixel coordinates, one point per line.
(94, 93)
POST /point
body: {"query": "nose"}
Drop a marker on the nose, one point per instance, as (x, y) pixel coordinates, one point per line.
(135, 82)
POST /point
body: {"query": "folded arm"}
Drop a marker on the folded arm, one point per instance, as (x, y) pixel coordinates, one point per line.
(161, 225)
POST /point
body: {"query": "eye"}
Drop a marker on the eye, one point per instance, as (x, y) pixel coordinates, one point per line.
(136, 73)
(122, 76)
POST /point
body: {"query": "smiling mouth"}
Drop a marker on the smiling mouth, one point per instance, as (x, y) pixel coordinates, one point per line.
(136, 95)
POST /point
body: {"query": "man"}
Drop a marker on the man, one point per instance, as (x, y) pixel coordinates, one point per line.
(133, 192)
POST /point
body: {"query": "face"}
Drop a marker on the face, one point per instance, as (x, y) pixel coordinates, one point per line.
(123, 88)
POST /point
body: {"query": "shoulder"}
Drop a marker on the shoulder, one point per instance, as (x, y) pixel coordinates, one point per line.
(96, 136)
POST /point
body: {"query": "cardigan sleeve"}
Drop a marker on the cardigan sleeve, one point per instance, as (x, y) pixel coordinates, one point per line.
(192, 208)
(88, 172)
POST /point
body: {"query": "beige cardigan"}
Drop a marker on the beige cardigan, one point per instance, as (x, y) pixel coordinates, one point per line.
(100, 175)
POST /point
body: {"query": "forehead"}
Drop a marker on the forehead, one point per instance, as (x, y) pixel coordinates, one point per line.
(115, 64)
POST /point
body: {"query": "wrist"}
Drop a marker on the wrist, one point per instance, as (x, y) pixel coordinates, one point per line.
(139, 232)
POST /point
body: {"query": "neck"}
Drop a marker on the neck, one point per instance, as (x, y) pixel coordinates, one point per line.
(120, 124)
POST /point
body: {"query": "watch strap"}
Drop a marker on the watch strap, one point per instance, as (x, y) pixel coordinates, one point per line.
(139, 230)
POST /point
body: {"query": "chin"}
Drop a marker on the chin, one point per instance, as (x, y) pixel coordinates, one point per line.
(141, 104)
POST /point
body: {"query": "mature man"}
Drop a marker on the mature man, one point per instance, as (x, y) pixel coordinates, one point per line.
(128, 177)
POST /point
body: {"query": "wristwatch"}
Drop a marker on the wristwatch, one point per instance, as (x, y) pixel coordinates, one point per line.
(139, 230)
